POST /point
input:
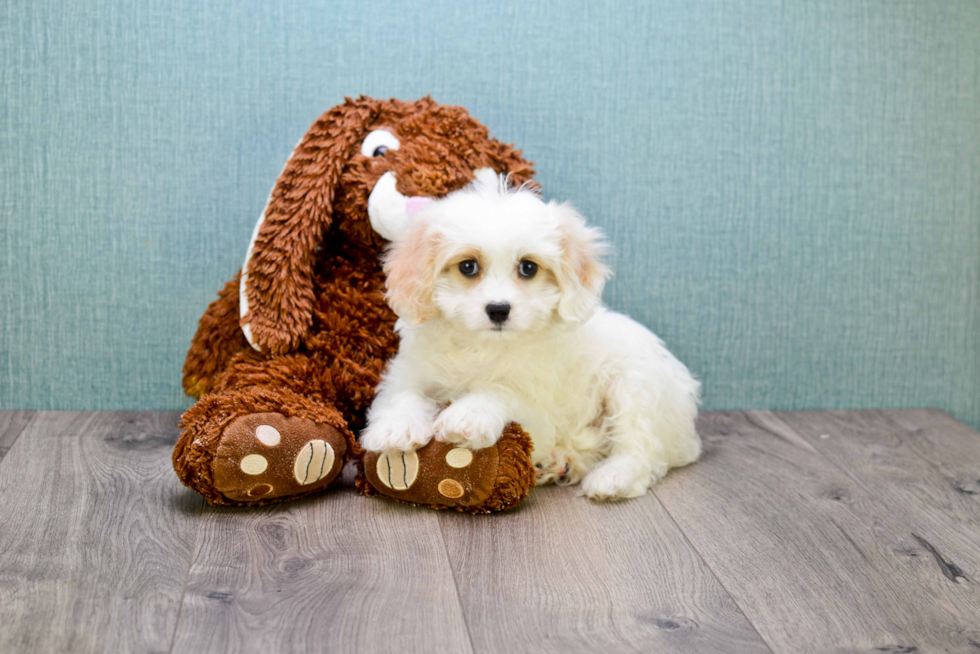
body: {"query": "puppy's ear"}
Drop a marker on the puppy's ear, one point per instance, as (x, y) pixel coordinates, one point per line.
(582, 274)
(409, 265)
(276, 288)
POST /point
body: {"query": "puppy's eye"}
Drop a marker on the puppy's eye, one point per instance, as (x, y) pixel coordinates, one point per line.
(528, 269)
(378, 142)
(469, 268)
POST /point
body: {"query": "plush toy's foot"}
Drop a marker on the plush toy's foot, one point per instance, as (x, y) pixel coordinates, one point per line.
(445, 476)
(251, 447)
(264, 456)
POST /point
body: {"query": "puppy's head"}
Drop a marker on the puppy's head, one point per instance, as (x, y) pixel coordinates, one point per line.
(496, 260)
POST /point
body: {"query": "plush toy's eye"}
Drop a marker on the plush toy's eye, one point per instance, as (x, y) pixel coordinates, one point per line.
(469, 267)
(378, 142)
(528, 269)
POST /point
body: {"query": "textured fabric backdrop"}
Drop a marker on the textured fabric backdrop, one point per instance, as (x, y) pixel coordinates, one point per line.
(793, 188)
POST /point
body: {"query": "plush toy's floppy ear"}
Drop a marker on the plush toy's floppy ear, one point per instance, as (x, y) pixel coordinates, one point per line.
(409, 266)
(582, 274)
(276, 289)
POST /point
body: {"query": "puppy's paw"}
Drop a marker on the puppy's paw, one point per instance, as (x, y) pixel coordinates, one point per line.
(619, 478)
(560, 466)
(469, 424)
(396, 431)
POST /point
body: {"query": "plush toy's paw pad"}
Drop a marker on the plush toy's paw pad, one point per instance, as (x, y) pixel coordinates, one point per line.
(439, 473)
(267, 455)
(397, 469)
(443, 475)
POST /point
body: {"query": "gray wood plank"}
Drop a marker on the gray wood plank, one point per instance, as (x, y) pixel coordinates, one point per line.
(12, 423)
(335, 572)
(562, 574)
(949, 445)
(816, 562)
(886, 459)
(95, 532)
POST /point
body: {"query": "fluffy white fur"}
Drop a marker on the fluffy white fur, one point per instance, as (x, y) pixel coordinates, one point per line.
(604, 401)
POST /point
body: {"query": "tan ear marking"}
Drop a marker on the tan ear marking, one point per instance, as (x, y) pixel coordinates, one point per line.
(583, 274)
(410, 276)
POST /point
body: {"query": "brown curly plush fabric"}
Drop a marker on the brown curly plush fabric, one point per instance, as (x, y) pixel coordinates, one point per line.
(316, 305)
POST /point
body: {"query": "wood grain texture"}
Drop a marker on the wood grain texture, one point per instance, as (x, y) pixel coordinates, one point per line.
(950, 446)
(939, 511)
(562, 574)
(803, 531)
(816, 562)
(329, 573)
(12, 423)
(95, 535)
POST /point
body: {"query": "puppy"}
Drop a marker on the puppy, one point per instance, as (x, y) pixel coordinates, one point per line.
(498, 295)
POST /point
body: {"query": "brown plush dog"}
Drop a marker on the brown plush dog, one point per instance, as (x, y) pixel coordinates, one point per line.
(285, 361)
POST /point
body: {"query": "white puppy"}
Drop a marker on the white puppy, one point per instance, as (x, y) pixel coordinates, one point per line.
(498, 295)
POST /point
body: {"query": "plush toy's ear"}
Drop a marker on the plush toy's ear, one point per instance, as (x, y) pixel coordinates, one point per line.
(582, 274)
(276, 289)
(409, 266)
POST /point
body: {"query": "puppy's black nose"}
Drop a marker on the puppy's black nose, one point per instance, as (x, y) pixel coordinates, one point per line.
(498, 312)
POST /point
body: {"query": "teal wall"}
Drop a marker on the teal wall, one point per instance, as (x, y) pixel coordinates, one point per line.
(793, 187)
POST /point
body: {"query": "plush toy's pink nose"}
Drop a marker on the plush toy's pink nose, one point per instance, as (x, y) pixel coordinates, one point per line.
(415, 204)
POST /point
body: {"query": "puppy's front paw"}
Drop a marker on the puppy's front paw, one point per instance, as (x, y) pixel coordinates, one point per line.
(469, 424)
(396, 431)
(617, 479)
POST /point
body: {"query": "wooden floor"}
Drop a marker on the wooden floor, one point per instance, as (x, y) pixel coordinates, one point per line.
(797, 532)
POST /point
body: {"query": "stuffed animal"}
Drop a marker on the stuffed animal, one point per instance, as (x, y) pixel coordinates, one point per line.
(285, 360)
